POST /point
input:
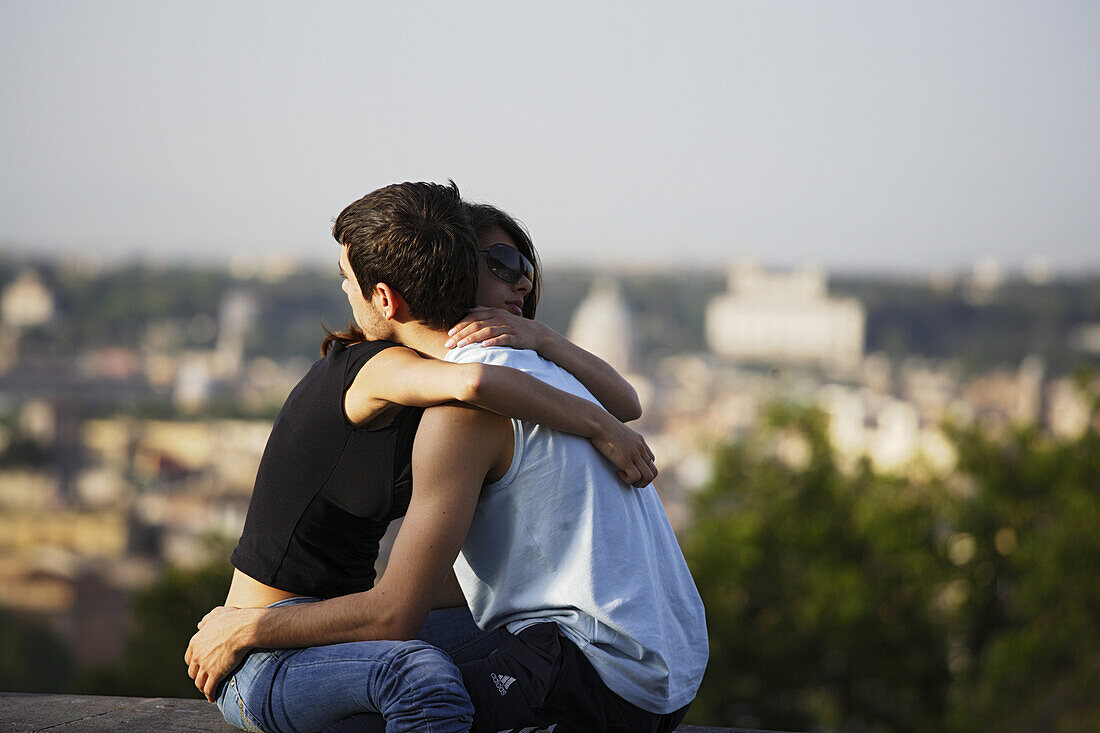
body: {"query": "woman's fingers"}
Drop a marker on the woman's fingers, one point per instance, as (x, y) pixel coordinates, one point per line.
(506, 339)
(477, 336)
(646, 472)
(644, 463)
(496, 327)
(475, 332)
(630, 454)
(460, 332)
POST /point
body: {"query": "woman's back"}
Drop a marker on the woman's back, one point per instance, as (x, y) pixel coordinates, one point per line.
(326, 489)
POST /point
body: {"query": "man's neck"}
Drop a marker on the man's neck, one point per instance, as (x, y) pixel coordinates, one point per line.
(426, 340)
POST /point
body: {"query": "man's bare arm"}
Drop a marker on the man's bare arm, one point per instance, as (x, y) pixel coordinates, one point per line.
(456, 448)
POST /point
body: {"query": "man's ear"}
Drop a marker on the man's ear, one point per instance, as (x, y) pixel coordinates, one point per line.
(389, 301)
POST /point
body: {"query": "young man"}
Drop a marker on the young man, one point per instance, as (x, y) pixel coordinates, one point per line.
(600, 626)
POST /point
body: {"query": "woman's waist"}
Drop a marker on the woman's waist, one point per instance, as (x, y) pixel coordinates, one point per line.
(247, 592)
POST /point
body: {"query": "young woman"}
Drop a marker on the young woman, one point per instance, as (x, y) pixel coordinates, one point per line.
(336, 472)
(509, 275)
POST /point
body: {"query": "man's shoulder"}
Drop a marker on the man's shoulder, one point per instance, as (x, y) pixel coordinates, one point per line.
(525, 360)
(473, 432)
(461, 416)
(479, 352)
(503, 355)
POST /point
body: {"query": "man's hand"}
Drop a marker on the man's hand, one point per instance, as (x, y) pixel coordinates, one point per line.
(217, 648)
(627, 450)
(497, 327)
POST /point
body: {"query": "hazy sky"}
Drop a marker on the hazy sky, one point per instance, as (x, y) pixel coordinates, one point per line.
(856, 135)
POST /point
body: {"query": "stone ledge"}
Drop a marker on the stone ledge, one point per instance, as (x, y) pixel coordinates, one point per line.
(80, 713)
(91, 713)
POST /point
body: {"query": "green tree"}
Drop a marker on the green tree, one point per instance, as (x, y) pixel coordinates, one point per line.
(33, 658)
(1029, 617)
(818, 591)
(165, 615)
(859, 602)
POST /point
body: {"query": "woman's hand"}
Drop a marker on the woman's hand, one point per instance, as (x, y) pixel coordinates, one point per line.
(627, 451)
(497, 327)
(216, 649)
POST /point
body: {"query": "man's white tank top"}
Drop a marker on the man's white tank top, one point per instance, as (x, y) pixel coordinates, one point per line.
(560, 538)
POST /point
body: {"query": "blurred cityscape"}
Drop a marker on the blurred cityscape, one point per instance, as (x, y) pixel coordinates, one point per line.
(135, 400)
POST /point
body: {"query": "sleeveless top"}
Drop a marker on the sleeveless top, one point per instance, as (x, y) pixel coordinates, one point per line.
(559, 538)
(326, 490)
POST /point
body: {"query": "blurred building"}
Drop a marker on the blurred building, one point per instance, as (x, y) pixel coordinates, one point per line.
(98, 534)
(1086, 338)
(84, 601)
(785, 317)
(1068, 409)
(985, 281)
(27, 302)
(602, 325)
(1005, 398)
(885, 429)
(236, 318)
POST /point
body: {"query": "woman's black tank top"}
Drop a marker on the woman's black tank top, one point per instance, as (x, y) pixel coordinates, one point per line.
(326, 490)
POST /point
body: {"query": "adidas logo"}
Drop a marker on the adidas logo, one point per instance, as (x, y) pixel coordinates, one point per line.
(503, 682)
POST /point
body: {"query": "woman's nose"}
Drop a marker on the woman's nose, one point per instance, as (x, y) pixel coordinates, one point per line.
(523, 285)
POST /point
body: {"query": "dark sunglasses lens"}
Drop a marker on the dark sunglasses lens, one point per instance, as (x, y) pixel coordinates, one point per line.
(507, 263)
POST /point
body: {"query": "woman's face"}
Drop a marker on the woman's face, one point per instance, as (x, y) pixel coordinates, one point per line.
(492, 292)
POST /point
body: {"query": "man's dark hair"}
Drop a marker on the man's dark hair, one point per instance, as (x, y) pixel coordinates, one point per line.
(485, 217)
(416, 238)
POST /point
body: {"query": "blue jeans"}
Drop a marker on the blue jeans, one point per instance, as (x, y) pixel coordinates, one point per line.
(453, 630)
(413, 685)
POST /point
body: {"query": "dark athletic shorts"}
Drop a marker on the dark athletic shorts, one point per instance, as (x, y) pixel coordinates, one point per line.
(538, 680)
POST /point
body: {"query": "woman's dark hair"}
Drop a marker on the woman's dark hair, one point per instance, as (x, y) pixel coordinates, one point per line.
(416, 238)
(485, 217)
(350, 335)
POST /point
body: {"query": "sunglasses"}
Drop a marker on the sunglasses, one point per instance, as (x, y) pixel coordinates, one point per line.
(508, 263)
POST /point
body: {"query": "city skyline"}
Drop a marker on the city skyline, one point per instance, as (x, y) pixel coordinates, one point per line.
(857, 136)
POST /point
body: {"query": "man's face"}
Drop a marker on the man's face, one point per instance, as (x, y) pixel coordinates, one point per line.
(364, 310)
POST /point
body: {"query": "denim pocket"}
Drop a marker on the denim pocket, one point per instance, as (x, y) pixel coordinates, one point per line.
(233, 709)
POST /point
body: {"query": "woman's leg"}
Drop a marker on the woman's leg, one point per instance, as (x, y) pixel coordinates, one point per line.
(413, 685)
(231, 697)
(362, 723)
(451, 629)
